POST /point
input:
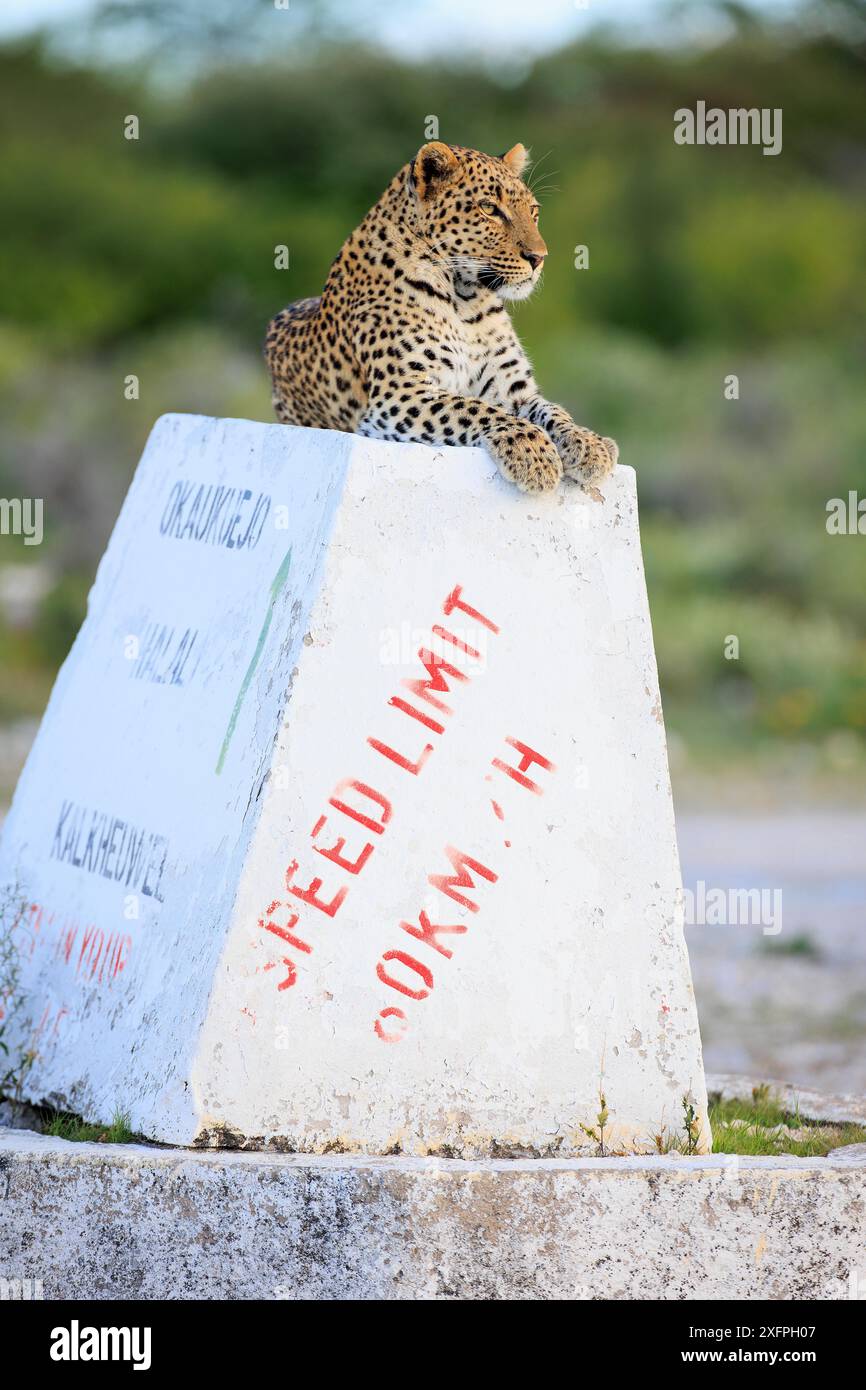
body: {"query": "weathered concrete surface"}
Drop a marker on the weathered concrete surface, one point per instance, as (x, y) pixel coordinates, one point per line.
(853, 1154)
(368, 844)
(100, 1221)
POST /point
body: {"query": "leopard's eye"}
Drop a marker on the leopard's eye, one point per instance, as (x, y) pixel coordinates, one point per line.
(489, 209)
(535, 214)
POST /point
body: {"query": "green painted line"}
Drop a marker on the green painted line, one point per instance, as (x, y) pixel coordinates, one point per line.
(280, 578)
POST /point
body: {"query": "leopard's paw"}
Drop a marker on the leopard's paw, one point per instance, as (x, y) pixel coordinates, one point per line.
(587, 457)
(526, 456)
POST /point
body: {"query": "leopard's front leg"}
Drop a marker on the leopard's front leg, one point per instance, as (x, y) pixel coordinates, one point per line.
(405, 402)
(586, 457)
(523, 450)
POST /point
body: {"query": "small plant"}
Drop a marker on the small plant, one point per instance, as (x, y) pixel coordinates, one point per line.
(63, 1125)
(691, 1126)
(684, 1140)
(601, 1119)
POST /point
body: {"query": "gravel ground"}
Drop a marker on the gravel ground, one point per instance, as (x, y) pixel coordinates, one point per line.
(792, 1005)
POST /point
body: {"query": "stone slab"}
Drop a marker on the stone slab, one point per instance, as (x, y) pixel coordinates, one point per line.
(97, 1221)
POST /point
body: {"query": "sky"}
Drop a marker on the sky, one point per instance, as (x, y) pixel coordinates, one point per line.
(17, 16)
(427, 25)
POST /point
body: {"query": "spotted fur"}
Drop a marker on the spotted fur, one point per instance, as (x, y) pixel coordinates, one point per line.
(410, 338)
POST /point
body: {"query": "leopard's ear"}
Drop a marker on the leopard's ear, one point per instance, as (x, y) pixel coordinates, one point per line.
(516, 159)
(432, 166)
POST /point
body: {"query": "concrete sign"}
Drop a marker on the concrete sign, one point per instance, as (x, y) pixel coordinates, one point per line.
(348, 826)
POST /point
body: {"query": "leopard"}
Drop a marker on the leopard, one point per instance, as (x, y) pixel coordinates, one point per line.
(411, 339)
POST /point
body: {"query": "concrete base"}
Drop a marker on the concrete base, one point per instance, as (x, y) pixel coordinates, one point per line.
(106, 1222)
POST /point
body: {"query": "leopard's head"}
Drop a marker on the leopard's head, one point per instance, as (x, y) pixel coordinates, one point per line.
(478, 216)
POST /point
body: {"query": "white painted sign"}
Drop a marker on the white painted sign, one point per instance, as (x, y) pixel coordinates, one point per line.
(348, 825)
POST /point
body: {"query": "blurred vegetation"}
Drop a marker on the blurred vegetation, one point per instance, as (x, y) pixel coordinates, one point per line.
(156, 257)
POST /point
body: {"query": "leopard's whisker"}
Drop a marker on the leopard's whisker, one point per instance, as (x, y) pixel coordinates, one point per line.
(534, 172)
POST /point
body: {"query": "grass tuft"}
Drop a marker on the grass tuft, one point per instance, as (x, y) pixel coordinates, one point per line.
(763, 1125)
(65, 1126)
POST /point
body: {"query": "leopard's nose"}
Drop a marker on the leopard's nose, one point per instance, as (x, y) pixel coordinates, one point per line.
(534, 260)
